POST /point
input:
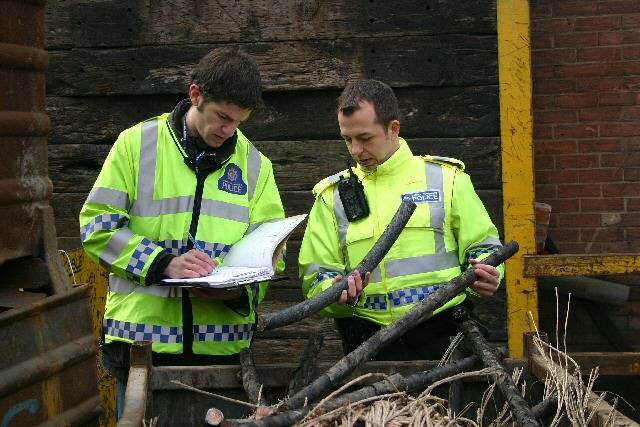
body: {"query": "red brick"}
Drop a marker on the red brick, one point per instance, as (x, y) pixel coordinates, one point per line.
(601, 175)
(542, 72)
(619, 129)
(579, 220)
(580, 161)
(597, 23)
(631, 21)
(601, 234)
(632, 233)
(555, 147)
(545, 162)
(546, 191)
(553, 56)
(562, 176)
(618, 98)
(632, 174)
(575, 40)
(547, 86)
(633, 204)
(541, 102)
(630, 114)
(542, 132)
(619, 37)
(555, 117)
(593, 54)
(574, 8)
(597, 69)
(539, 10)
(541, 41)
(629, 220)
(565, 234)
(622, 189)
(620, 160)
(564, 205)
(576, 100)
(602, 205)
(600, 114)
(630, 52)
(570, 191)
(632, 144)
(555, 25)
(619, 6)
(599, 84)
(631, 83)
(616, 247)
(600, 146)
(575, 131)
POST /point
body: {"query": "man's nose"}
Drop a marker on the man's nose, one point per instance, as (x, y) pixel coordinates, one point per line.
(356, 148)
(229, 129)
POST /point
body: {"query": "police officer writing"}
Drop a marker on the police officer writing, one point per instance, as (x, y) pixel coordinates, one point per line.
(449, 231)
(175, 193)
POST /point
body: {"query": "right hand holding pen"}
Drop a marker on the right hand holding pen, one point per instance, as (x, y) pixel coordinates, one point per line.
(356, 285)
(192, 264)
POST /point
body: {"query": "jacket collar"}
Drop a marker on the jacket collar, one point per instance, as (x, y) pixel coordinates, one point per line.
(393, 164)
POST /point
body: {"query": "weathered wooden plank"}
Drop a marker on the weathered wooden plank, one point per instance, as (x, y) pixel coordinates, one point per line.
(587, 265)
(82, 23)
(307, 115)
(67, 207)
(298, 330)
(298, 165)
(451, 60)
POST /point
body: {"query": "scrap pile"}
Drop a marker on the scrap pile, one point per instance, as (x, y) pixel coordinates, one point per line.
(409, 400)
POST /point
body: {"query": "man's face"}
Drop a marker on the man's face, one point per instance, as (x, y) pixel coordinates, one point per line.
(368, 142)
(216, 121)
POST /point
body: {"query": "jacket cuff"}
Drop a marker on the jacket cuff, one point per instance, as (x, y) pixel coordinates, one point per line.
(156, 270)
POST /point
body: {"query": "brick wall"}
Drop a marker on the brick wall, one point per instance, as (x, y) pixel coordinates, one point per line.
(586, 74)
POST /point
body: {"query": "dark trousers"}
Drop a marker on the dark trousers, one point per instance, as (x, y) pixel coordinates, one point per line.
(426, 341)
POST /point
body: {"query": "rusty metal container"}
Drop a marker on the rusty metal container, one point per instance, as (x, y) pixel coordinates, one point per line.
(24, 124)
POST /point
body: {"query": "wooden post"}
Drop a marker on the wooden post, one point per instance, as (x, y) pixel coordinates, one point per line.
(518, 183)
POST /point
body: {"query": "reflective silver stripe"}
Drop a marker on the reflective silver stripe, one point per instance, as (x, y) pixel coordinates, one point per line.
(489, 241)
(124, 286)
(115, 245)
(341, 218)
(421, 264)
(149, 207)
(222, 332)
(436, 209)
(254, 164)
(253, 227)
(318, 268)
(142, 331)
(335, 177)
(147, 169)
(107, 221)
(220, 209)
(376, 275)
(109, 196)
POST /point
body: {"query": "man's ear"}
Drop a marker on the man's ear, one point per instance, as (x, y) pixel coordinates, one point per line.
(394, 128)
(194, 94)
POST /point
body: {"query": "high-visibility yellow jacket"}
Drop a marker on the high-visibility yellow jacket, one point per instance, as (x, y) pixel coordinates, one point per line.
(142, 204)
(449, 226)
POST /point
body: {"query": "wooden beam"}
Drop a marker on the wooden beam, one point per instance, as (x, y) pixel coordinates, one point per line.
(514, 62)
(585, 265)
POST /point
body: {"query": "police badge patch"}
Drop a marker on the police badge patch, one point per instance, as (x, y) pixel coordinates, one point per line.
(429, 196)
(231, 181)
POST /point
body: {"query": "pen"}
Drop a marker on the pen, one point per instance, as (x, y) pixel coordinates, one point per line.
(195, 243)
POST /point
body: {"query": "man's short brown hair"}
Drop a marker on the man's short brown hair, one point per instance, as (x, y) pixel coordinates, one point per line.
(228, 74)
(384, 101)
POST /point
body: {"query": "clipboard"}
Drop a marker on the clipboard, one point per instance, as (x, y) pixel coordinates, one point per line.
(229, 286)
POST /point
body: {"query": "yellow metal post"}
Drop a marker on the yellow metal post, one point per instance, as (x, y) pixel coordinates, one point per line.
(518, 184)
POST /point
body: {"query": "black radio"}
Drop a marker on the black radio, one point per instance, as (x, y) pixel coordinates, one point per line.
(352, 196)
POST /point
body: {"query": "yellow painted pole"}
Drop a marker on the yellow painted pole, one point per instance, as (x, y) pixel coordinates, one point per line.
(518, 184)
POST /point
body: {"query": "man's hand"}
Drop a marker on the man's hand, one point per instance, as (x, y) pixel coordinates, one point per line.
(356, 285)
(487, 278)
(189, 265)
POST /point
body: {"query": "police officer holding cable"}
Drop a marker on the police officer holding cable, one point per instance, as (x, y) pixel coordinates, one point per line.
(449, 231)
(175, 193)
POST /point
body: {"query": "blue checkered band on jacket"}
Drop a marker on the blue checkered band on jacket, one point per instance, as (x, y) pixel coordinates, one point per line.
(476, 251)
(140, 331)
(101, 222)
(214, 249)
(174, 247)
(400, 297)
(411, 295)
(375, 302)
(322, 276)
(140, 257)
(222, 332)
